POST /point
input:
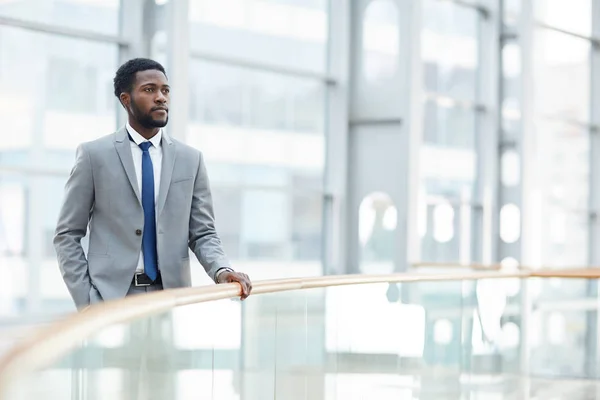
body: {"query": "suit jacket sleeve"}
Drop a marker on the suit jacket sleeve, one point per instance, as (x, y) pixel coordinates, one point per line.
(72, 226)
(203, 238)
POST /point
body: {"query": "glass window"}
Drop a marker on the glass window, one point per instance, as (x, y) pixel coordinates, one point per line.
(380, 40)
(100, 16)
(448, 126)
(255, 223)
(230, 95)
(262, 135)
(448, 233)
(564, 238)
(448, 158)
(449, 49)
(286, 33)
(561, 65)
(48, 106)
(573, 16)
(60, 100)
(511, 78)
(564, 164)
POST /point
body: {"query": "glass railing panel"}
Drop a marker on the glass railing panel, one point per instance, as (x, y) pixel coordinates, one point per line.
(563, 327)
(419, 340)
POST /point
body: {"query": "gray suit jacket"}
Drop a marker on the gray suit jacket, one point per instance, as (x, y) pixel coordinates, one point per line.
(102, 190)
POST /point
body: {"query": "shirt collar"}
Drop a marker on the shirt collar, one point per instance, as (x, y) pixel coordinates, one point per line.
(137, 138)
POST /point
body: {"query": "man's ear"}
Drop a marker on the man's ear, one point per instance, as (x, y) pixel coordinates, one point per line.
(125, 99)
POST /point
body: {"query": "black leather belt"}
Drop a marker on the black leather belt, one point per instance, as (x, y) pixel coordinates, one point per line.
(141, 279)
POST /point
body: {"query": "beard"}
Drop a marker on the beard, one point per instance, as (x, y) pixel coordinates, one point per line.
(145, 119)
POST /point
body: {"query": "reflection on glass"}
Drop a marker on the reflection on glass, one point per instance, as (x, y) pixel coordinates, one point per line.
(573, 16)
(100, 16)
(442, 331)
(561, 65)
(510, 336)
(512, 286)
(291, 34)
(561, 343)
(491, 300)
(443, 223)
(510, 223)
(380, 40)
(511, 168)
(449, 48)
(377, 219)
(447, 238)
(324, 343)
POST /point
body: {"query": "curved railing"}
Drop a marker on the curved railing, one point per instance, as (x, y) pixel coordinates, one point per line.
(47, 345)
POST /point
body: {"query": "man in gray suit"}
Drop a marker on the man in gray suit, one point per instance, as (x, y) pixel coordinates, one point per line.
(146, 198)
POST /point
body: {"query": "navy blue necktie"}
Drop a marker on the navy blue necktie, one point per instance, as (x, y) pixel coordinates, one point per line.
(149, 237)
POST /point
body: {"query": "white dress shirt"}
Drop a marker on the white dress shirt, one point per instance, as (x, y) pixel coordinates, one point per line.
(156, 156)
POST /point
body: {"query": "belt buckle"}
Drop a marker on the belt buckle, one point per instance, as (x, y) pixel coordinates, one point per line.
(140, 284)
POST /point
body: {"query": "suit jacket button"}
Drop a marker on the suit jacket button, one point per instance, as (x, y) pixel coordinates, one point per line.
(138, 232)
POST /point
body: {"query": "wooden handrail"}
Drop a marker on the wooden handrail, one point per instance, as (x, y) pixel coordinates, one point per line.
(47, 345)
(500, 267)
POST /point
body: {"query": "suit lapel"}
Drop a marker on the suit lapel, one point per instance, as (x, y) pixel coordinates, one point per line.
(124, 150)
(169, 151)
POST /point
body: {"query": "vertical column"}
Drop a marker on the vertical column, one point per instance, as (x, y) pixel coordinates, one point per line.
(133, 22)
(178, 59)
(529, 193)
(518, 138)
(485, 221)
(411, 93)
(132, 25)
(594, 202)
(335, 204)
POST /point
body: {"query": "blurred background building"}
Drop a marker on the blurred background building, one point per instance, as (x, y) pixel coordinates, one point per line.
(342, 136)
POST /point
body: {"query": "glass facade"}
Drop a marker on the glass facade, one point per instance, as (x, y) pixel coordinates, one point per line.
(263, 93)
(292, 103)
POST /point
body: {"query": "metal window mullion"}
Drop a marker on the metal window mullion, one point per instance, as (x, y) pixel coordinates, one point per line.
(593, 320)
(484, 243)
(594, 38)
(526, 147)
(411, 26)
(263, 66)
(335, 196)
(178, 62)
(63, 31)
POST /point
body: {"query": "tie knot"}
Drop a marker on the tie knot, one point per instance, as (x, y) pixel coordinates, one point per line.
(145, 145)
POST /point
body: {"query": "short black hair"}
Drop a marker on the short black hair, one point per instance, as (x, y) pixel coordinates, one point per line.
(125, 76)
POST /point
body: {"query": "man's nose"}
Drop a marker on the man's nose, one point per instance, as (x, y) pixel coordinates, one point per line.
(161, 98)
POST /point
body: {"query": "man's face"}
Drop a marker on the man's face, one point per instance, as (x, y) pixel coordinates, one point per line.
(149, 99)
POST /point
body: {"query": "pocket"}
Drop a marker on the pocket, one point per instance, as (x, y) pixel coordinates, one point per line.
(179, 180)
(98, 255)
(95, 296)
